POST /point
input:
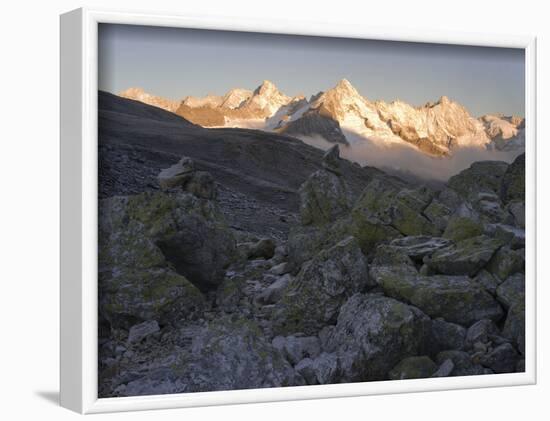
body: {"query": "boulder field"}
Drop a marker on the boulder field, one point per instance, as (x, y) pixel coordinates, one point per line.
(393, 282)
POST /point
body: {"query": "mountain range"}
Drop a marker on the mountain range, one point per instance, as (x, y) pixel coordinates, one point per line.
(342, 115)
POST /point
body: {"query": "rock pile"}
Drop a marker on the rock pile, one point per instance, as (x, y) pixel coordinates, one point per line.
(399, 282)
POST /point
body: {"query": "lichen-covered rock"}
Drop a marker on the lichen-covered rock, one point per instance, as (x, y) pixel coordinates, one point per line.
(322, 370)
(488, 281)
(466, 257)
(438, 214)
(483, 331)
(517, 209)
(373, 334)
(387, 255)
(183, 175)
(263, 248)
(506, 262)
(413, 368)
(457, 299)
(224, 355)
(481, 176)
(296, 348)
(512, 236)
(178, 174)
(274, 292)
(324, 197)
(460, 228)
(369, 230)
(512, 290)
(514, 327)
(445, 336)
(314, 297)
(445, 369)
(140, 331)
(417, 247)
(513, 181)
(502, 359)
(180, 228)
(463, 364)
(490, 207)
(464, 223)
(154, 250)
(381, 203)
(130, 296)
(202, 184)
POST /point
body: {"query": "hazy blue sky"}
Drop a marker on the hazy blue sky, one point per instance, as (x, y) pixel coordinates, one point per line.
(174, 63)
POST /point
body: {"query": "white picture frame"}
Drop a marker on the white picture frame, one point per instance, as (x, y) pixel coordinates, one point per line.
(79, 175)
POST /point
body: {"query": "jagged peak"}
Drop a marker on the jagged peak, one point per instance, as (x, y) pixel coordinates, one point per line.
(266, 87)
(344, 88)
(444, 100)
(134, 90)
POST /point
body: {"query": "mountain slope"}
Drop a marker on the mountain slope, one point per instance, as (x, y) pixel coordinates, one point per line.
(138, 94)
(263, 169)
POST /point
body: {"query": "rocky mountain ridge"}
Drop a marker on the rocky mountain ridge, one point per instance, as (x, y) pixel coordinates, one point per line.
(342, 115)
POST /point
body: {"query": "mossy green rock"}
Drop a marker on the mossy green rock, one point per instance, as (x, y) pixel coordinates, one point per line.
(512, 290)
(513, 182)
(373, 334)
(514, 327)
(413, 368)
(463, 364)
(314, 297)
(481, 176)
(150, 229)
(226, 354)
(155, 249)
(462, 227)
(145, 294)
(438, 214)
(506, 262)
(384, 204)
(323, 197)
(466, 257)
(456, 299)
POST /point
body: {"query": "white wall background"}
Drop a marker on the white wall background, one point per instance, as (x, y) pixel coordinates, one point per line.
(29, 207)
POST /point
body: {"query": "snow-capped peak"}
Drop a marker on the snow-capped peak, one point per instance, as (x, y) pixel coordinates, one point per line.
(344, 87)
(138, 94)
(266, 88)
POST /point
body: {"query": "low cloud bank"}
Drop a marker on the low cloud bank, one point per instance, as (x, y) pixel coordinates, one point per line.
(403, 160)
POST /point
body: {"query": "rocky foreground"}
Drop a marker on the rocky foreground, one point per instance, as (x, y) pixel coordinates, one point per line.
(388, 282)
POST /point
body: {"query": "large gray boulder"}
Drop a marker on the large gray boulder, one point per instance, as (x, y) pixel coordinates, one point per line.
(314, 297)
(506, 262)
(466, 257)
(513, 181)
(183, 175)
(156, 251)
(463, 365)
(457, 299)
(324, 197)
(385, 204)
(445, 336)
(512, 291)
(177, 175)
(224, 355)
(514, 327)
(372, 335)
(481, 176)
(417, 247)
(413, 368)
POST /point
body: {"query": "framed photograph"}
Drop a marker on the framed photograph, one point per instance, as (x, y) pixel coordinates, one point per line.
(264, 211)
